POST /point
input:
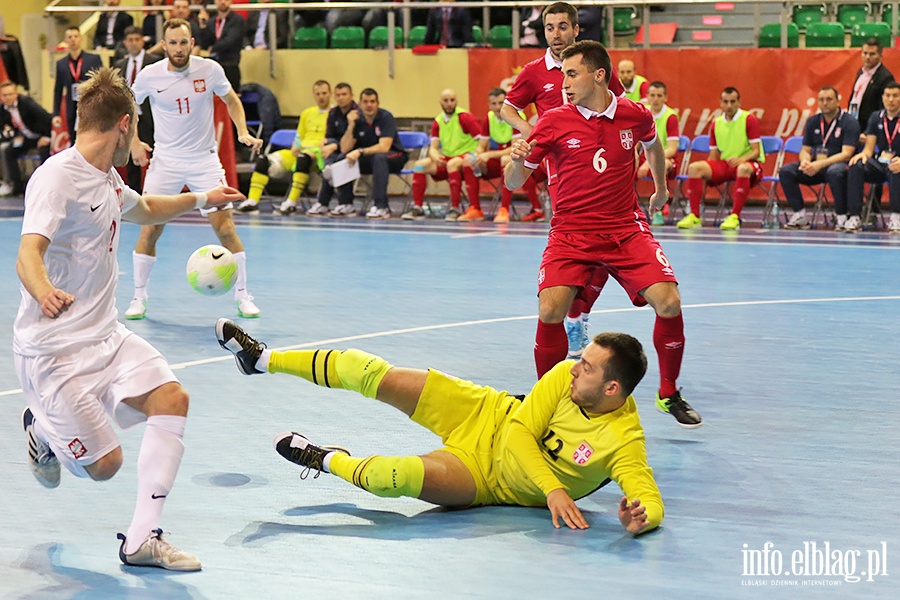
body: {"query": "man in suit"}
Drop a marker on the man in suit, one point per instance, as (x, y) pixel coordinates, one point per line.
(868, 87)
(223, 36)
(111, 26)
(450, 27)
(130, 66)
(24, 125)
(72, 70)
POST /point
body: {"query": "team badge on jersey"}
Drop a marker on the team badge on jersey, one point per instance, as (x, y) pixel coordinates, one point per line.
(583, 453)
(199, 85)
(77, 448)
(627, 139)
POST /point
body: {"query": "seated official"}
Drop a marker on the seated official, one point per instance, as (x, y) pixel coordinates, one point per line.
(24, 126)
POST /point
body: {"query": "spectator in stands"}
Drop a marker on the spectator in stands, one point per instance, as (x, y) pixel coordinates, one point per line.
(348, 17)
(181, 9)
(454, 136)
(735, 154)
(829, 142)
(532, 35)
(666, 120)
(871, 78)
(489, 162)
(298, 160)
(148, 27)
(258, 29)
(636, 86)
(24, 126)
(72, 70)
(130, 65)
(372, 140)
(223, 36)
(110, 30)
(590, 23)
(449, 27)
(335, 129)
(882, 131)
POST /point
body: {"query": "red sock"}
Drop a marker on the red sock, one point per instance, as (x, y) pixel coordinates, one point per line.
(473, 187)
(505, 197)
(418, 188)
(741, 190)
(668, 338)
(530, 188)
(550, 346)
(694, 191)
(455, 181)
(578, 308)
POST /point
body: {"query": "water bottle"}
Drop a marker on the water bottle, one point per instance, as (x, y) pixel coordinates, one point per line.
(776, 220)
(475, 168)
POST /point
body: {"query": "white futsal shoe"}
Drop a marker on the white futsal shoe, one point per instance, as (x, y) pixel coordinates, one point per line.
(157, 552)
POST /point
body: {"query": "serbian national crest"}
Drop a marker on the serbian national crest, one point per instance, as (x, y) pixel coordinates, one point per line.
(583, 453)
(199, 85)
(627, 139)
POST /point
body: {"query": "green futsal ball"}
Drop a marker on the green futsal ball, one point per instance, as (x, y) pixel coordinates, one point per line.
(212, 270)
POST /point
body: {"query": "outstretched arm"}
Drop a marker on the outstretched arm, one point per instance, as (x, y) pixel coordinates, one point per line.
(153, 210)
(236, 112)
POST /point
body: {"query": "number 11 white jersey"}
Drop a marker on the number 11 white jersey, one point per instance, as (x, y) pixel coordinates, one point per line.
(182, 105)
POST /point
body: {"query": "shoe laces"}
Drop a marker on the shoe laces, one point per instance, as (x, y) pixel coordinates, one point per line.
(677, 401)
(243, 338)
(311, 459)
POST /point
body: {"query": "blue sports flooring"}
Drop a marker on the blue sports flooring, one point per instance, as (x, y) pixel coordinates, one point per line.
(791, 358)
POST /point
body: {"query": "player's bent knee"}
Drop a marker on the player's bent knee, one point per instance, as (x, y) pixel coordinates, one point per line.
(361, 372)
(393, 476)
(106, 468)
(171, 399)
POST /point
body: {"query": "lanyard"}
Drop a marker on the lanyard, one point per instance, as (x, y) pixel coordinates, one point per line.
(830, 129)
(76, 73)
(890, 138)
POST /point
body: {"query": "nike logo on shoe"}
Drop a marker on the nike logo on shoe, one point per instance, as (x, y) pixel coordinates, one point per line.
(155, 497)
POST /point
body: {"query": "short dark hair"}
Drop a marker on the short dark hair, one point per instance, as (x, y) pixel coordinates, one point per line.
(892, 85)
(660, 85)
(627, 363)
(874, 41)
(824, 88)
(343, 86)
(731, 90)
(322, 82)
(561, 8)
(593, 54)
(131, 30)
(73, 28)
(369, 92)
(497, 91)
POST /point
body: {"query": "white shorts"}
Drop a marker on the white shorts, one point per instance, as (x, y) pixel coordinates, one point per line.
(71, 396)
(167, 176)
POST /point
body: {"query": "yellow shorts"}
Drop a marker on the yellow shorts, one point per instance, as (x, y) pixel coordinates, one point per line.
(467, 417)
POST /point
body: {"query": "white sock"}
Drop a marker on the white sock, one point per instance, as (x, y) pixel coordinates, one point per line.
(326, 462)
(801, 213)
(262, 363)
(158, 462)
(143, 266)
(240, 287)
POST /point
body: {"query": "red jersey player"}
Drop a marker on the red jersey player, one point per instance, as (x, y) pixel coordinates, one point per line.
(598, 229)
(541, 83)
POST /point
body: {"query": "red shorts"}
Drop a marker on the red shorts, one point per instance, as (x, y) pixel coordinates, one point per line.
(441, 174)
(494, 169)
(670, 173)
(586, 260)
(722, 172)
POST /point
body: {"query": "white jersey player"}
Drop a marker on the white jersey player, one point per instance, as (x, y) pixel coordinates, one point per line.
(78, 366)
(181, 91)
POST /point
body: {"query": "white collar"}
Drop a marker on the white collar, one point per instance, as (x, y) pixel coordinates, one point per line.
(655, 116)
(609, 113)
(550, 62)
(733, 119)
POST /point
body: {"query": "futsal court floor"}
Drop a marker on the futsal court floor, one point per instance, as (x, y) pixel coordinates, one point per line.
(791, 358)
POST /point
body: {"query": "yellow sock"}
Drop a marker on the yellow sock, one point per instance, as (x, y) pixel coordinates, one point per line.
(385, 476)
(349, 369)
(298, 182)
(258, 183)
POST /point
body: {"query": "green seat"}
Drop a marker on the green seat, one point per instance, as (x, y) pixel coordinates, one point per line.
(310, 38)
(416, 36)
(348, 37)
(500, 36)
(378, 37)
(770, 35)
(623, 21)
(478, 34)
(863, 31)
(886, 11)
(810, 13)
(824, 35)
(849, 15)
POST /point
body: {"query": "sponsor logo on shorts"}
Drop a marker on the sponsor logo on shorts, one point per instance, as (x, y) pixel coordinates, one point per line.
(583, 453)
(541, 276)
(77, 448)
(199, 85)
(627, 138)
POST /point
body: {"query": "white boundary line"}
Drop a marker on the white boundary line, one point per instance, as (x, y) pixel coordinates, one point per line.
(365, 336)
